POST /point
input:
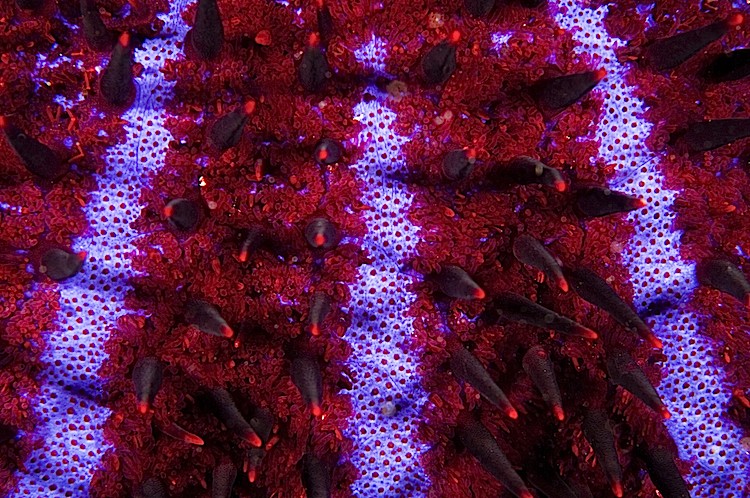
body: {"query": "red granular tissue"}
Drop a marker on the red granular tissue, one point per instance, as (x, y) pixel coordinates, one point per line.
(464, 248)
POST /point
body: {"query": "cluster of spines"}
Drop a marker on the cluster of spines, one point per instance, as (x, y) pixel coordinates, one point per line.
(310, 77)
(622, 370)
(187, 215)
(670, 52)
(438, 65)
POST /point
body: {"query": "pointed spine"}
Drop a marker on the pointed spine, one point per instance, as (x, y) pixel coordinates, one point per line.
(594, 289)
(207, 35)
(328, 151)
(319, 308)
(325, 22)
(252, 462)
(226, 132)
(520, 309)
(468, 368)
(538, 366)
(458, 164)
(625, 372)
(36, 157)
(224, 476)
(524, 170)
(456, 283)
(724, 276)
(664, 473)
(116, 84)
(254, 238)
(730, 66)
(480, 443)
(563, 91)
(147, 378)
(439, 63)
(307, 377)
(667, 53)
(207, 319)
(598, 433)
(712, 134)
(321, 234)
(181, 434)
(183, 214)
(313, 68)
(262, 423)
(530, 251)
(59, 265)
(316, 477)
(227, 412)
(593, 202)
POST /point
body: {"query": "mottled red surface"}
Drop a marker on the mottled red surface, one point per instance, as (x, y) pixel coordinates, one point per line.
(271, 180)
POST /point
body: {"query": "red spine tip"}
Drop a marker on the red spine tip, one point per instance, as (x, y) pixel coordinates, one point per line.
(641, 203)
(263, 38)
(193, 439)
(243, 256)
(600, 74)
(471, 154)
(314, 40)
(252, 438)
(3, 122)
(315, 329)
(588, 333)
(511, 412)
(561, 186)
(320, 4)
(322, 154)
(526, 494)
(735, 20)
(665, 413)
(124, 40)
(559, 413)
(455, 36)
(168, 211)
(227, 331)
(319, 240)
(480, 294)
(82, 255)
(249, 107)
(617, 489)
(252, 475)
(179, 433)
(563, 284)
(143, 407)
(316, 410)
(655, 342)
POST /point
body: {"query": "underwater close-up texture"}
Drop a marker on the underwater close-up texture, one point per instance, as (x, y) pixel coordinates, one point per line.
(375, 248)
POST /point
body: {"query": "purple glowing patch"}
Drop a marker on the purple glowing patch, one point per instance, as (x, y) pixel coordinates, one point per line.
(75, 351)
(384, 428)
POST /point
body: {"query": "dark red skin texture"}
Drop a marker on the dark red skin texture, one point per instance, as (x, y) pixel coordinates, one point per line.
(474, 231)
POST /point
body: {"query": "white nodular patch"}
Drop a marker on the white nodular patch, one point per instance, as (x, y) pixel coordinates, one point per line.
(711, 442)
(387, 397)
(70, 417)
